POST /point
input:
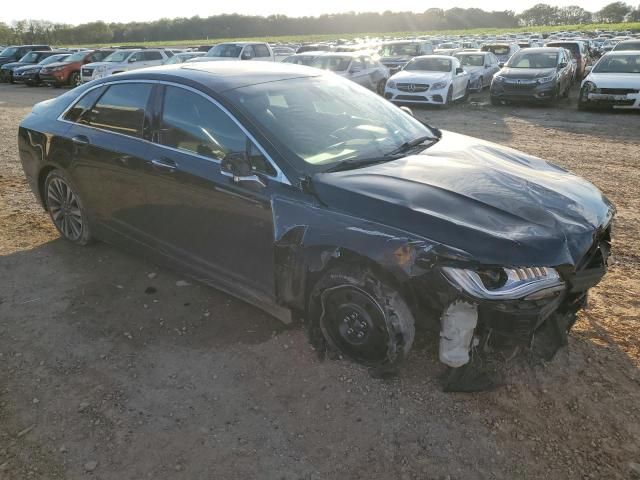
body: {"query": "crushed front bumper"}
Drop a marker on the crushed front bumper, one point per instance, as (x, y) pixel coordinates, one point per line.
(615, 100)
(430, 96)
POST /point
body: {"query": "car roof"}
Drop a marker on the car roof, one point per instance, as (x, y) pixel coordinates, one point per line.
(621, 52)
(541, 49)
(222, 76)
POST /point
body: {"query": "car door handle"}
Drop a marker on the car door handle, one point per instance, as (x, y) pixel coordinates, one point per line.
(80, 140)
(164, 164)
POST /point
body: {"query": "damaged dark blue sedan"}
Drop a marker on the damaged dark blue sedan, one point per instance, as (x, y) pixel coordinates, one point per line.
(310, 197)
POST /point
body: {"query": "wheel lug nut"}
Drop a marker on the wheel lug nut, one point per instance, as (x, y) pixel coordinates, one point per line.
(360, 334)
(350, 331)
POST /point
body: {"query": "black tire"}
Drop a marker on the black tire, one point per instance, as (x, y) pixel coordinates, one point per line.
(467, 92)
(74, 79)
(449, 100)
(481, 84)
(66, 209)
(380, 87)
(361, 316)
(582, 104)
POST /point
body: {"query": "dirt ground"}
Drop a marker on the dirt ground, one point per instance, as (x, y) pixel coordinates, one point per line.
(99, 379)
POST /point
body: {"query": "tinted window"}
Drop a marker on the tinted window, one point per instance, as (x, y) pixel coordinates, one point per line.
(121, 109)
(83, 105)
(193, 123)
(98, 56)
(153, 56)
(261, 51)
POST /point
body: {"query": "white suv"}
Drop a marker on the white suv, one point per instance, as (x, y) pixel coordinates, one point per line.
(123, 61)
(259, 52)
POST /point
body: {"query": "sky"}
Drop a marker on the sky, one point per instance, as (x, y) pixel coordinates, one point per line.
(76, 11)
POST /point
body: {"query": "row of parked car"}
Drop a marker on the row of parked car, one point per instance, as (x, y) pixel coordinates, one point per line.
(406, 72)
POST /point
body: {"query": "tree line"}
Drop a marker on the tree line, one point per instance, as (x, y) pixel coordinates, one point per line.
(237, 26)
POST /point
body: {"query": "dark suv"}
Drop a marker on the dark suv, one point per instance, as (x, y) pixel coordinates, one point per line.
(31, 58)
(67, 72)
(580, 54)
(534, 74)
(16, 52)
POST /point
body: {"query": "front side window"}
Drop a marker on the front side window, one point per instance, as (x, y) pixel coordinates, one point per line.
(83, 106)
(261, 50)
(153, 55)
(121, 109)
(193, 123)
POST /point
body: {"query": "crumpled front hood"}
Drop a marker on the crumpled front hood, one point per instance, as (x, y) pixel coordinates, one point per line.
(500, 206)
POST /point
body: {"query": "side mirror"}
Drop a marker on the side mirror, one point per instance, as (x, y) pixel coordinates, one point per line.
(501, 64)
(353, 70)
(246, 56)
(459, 71)
(562, 65)
(237, 166)
(133, 59)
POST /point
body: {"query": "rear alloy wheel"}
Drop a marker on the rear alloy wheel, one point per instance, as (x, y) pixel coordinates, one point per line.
(74, 79)
(362, 317)
(65, 208)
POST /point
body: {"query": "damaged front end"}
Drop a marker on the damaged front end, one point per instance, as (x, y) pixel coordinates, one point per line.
(531, 307)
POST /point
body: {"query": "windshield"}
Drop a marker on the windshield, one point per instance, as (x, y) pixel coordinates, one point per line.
(118, 56)
(618, 64)
(449, 46)
(325, 120)
(471, 60)
(496, 49)
(333, 63)
(53, 59)
(229, 50)
(400, 50)
(77, 57)
(9, 52)
(31, 57)
(431, 64)
(534, 60)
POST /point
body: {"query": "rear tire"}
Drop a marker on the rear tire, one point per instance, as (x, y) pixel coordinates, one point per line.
(361, 316)
(66, 209)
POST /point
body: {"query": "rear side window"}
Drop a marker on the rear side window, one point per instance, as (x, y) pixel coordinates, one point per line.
(261, 51)
(121, 109)
(82, 106)
(153, 55)
(193, 123)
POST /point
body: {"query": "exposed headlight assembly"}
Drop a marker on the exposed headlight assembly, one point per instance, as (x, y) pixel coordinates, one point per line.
(498, 78)
(391, 84)
(528, 283)
(438, 85)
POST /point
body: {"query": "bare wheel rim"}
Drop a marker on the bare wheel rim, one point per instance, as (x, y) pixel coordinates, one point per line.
(76, 80)
(64, 209)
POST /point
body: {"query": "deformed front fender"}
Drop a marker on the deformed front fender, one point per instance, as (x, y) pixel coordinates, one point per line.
(308, 237)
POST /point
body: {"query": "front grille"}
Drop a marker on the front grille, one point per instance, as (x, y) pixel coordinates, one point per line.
(520, 87)
(620, 91)
(412, 98)
(413, 87)
(87, 72)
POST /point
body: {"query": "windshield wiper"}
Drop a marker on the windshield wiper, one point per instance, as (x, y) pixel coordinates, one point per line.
(406, 146)
(355, 163)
